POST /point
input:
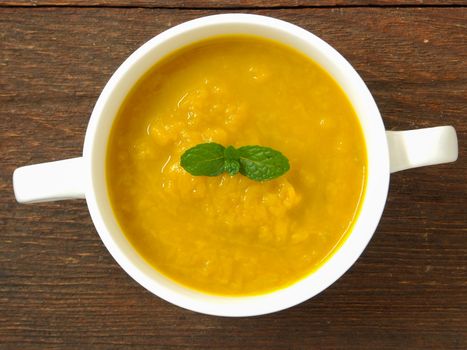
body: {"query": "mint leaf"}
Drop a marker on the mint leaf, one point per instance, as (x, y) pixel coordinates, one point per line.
(262, 163)
(204, 159)
(231, 166)
(256, 162)
(230, 153)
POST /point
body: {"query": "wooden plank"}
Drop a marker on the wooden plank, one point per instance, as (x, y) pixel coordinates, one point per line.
(59, 287)
(207, 4)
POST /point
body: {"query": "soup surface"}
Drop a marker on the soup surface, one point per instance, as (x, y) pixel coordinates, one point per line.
(230, 235)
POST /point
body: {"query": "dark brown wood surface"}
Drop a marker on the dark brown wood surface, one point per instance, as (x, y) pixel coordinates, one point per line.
(206, 4)
(59, 287)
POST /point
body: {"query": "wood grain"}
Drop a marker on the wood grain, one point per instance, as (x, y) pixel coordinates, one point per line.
(208, 4)
(59, 287)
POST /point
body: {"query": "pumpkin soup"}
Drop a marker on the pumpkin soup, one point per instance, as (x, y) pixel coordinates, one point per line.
(231, 235)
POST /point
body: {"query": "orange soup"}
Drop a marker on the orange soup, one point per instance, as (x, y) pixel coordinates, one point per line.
(229, 235)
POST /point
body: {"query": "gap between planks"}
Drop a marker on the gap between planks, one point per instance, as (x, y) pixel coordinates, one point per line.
(235, 8)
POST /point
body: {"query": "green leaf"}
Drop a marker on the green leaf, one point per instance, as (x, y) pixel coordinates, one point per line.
(230, 153)
(232, 166)
(256, 162)
(206, 159)
(262, 163)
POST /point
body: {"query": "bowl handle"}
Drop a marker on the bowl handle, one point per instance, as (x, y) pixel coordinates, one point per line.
(53, 181)
(421, 147)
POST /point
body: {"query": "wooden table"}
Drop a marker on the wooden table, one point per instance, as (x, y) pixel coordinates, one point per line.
(60, 288)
